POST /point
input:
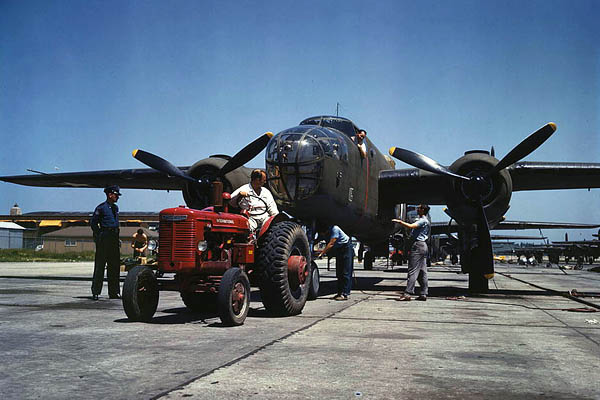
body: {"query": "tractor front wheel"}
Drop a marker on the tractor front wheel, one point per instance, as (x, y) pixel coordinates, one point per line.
(233, 299)
(140, 294)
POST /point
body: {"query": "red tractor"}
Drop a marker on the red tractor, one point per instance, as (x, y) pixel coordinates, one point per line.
(215, 258)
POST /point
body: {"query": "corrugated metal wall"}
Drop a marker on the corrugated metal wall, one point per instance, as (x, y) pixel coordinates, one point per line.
(11, 239)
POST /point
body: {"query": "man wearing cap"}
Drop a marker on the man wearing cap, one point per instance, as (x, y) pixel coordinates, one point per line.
(105, 225)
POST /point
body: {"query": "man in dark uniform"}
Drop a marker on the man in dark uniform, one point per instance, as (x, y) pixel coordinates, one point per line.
(105, 224)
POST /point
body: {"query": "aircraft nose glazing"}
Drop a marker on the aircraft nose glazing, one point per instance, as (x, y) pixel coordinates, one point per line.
(294, 160)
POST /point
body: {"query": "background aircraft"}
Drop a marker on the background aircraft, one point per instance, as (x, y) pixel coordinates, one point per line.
(317, 175)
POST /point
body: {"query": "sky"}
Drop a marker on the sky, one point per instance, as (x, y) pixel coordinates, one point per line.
(83, 83)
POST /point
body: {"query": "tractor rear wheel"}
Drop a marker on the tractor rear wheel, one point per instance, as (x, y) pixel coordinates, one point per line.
(284, 258)
(140, 294)
(233, 299)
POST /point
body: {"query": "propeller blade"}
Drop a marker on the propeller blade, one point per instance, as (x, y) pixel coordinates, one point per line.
(422, 162)
(160, 164)
(247, 153)
(526, 147)
(485, 244)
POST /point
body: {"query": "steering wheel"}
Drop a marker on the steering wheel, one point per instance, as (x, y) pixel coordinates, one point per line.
(261, 212)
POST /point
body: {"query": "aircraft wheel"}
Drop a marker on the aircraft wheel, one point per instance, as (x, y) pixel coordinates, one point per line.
(140, 294)
(313, 290)
(199, 302)
(284, 256)
(368, 261)
(478, 283)
(233, 299)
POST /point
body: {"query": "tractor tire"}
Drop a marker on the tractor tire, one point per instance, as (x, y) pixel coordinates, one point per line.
(281, 294)
(140, 294)
(199, 302)
(233, 299)
(313, 289)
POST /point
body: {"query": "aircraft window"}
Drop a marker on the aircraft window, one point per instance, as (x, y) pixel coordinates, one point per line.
(316, 121)
(293, 147)
(340, 124)
(294, 162)
(335, 148)
(293, 182)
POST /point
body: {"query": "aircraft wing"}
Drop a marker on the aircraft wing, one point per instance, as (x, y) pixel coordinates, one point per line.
(554, 175)
(144, 178)
(415, 186)
(594, 243)
(517, 237)
(146, 216)
(438, 228)
(412, 186)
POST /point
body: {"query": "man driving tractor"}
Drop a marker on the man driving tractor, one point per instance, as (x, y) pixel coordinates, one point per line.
(255, 199)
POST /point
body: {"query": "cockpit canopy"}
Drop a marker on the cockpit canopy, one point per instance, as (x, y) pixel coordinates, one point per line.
(343, 125)
(294, 159)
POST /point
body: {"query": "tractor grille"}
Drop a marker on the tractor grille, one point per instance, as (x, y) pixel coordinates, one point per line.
(177, 241)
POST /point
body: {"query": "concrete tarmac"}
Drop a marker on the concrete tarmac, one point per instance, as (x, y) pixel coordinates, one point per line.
(525, 339)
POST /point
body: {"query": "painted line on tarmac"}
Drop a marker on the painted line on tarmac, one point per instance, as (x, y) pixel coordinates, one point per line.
(263, 347)
(563, 294)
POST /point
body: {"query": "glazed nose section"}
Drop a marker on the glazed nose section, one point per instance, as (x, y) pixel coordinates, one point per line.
(294, 164)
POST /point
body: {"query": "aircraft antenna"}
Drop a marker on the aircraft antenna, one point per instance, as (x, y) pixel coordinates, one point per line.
(337, 109)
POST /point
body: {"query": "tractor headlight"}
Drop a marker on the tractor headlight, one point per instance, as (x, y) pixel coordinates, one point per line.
(202, 245)
(152, 245)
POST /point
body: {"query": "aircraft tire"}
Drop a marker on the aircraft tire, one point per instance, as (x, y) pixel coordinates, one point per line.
(280, 294)
(454, 259)
(368, 261)
(199, 302)
(313, 290)
(478, 283)
(233, 299)
(140, 294)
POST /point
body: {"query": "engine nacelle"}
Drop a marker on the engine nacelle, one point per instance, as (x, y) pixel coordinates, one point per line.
(495, 191)
(207, 171)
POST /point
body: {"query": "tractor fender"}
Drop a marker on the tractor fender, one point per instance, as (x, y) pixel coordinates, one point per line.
(275, 218)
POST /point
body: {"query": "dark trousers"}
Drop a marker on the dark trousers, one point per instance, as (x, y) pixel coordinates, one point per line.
(344, 265)
(107, 253)
(417, 268)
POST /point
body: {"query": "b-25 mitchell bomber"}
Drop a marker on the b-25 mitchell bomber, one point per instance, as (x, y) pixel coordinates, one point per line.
(317, 175)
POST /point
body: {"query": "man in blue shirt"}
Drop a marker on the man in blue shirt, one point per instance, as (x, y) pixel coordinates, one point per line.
(344, 258)
(105, 225)
(417, 257)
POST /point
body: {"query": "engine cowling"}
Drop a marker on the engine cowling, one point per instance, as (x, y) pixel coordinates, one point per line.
(494, 191)
(197, 196)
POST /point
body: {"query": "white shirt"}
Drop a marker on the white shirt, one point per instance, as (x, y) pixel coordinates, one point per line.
(254, 205)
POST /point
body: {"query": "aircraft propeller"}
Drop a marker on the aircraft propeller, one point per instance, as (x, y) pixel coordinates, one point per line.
(478, 184)
(247, 153)
(240, 158)
(160, 164)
